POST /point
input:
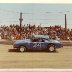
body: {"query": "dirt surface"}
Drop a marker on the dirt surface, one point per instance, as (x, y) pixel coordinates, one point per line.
(14, 59)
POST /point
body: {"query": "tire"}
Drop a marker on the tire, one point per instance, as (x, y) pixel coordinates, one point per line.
(22, 49)
(51, 48)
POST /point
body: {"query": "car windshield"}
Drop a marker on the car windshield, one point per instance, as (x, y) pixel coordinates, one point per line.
(37, 40)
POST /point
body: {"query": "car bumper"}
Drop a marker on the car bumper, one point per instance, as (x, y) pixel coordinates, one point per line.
(60, 45)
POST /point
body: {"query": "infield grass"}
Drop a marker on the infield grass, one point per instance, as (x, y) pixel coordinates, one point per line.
(60, 59)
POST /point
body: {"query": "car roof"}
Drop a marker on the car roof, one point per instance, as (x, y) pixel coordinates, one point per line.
(41, 36)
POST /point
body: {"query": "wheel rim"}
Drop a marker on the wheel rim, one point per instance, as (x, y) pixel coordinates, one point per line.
(22, 49)
(51, 48)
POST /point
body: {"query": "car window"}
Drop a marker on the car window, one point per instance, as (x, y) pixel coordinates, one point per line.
(34, 40)
(38, 40)
(41, 40)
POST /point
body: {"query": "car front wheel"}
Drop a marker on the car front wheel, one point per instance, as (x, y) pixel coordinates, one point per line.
(51, 48)
(22, 49)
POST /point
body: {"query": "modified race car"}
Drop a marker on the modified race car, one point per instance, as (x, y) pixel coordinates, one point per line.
(37, 42)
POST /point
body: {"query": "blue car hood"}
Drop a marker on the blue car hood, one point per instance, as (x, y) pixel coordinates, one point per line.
(54, 41)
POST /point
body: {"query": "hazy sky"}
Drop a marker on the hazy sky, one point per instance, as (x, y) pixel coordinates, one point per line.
(45, 14)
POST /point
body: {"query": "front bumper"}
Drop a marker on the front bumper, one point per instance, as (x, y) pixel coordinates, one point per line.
(59, 45)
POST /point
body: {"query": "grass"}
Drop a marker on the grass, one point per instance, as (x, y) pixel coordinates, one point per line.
(61, 59)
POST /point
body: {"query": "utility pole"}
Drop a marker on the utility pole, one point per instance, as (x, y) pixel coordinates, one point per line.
(65, 23)
(65, 27)
(20, 19)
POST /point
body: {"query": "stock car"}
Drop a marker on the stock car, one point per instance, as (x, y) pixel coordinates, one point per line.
(37, 42)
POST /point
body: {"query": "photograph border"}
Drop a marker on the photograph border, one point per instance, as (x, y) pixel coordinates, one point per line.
(36, 69)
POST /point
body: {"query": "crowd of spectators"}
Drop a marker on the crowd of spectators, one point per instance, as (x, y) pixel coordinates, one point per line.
(13, 32)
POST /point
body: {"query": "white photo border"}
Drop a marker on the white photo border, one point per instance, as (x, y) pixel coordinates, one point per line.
(36, 69)
(35, 1)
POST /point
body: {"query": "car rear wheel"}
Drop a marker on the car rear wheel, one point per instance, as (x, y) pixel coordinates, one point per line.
(51, 48)
(22, 49)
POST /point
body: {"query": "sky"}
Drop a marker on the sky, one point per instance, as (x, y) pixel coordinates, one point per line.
(36, 13)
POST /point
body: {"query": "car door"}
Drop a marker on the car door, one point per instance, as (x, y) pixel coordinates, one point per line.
(38, 45)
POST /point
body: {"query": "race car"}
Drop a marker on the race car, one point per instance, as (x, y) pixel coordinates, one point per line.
(37, 42)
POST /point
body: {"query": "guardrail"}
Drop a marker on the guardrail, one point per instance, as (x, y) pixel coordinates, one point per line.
(10, 42)
(67, 43)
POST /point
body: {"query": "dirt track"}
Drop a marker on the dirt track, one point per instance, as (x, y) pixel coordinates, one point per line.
(60, 59)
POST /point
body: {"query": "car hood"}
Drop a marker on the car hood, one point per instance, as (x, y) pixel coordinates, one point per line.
(22, 41)
(54, 41)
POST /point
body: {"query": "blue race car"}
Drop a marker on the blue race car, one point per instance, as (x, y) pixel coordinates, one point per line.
(37, 42)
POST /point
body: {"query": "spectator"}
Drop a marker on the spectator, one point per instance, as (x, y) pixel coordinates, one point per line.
(55, 32)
